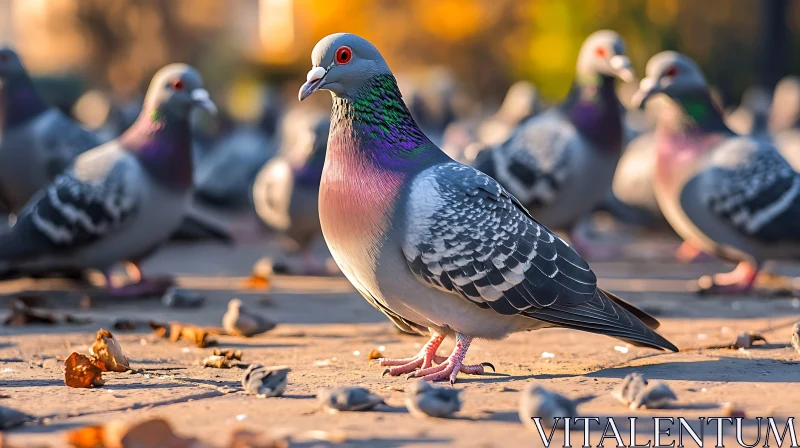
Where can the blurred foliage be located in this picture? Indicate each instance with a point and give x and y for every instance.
(488, 44)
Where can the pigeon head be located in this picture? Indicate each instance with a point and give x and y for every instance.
(341, 64)
(234, 304)
(672, 74)
(177, 89)
(603, 53)
(10, 63)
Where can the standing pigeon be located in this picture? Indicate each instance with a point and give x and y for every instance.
(240, 321)
(438, 246)
(122, 199)
(286, 190)
(560, 164)
(731, 196)
(37, 141)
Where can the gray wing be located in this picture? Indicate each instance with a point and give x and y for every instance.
(533, 163)
(77, 209)
(466, 235)
(60, 140)
(750, 186)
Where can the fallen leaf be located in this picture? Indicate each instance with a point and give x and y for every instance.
(747, 340)
(177, 331)
(81, 372)
(108, 351)
(263, 271)
(23, 314)
(228, 353)
(374, 354)
(255, 282)
(124, 325)
(218, 362)
(153, 433)
(242, 438)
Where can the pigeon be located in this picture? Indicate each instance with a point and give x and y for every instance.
(425, 400)
(731, 196)
(636, 392)
(267, 381)
(437, 246)
(37, 141)
(796, 337)
(520, 103)
(239, 321)
(631, 387)
(539, 402)
(632, 186)
(286, 189)
(752, 115)
(560, 164)
(346, 398)
(122, 199)
(785, 112)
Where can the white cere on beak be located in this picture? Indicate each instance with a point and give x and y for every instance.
(203, 99)
(315, 74)
(622, 67)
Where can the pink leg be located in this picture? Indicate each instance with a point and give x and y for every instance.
(453, 364)
(423, 359)
(689, 253)
(738, 281)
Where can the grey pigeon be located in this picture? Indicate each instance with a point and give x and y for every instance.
(10, 418)
(122, 199)
(346, 398)
(632, 186)
(785, 111)
(636, 392)
(286, 190)
(268, 381)
(631, 387)
(536, 401)
(425, 400)
(520, 103)
(239, 321)
(796, 337)
(728, 195)
(37, 141)
(560, 164)
(752, 115)
(438, 246)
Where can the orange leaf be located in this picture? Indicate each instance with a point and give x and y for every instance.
(81, 372)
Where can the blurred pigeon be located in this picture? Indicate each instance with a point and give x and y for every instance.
(788, 143)
(752, 115)
(225, 175)
(521, 103)
(636, 392)
(731, 196)
(269, 381)
(539, 402)
(347, 399)
(10, 418)
(286, 191)
(561, 163)
(631, 387)
(785, 112)
(424, 400)
(435, 245)
(632, 186)
(37, 142)
(796, 337)
(239, 321)
(122, 199)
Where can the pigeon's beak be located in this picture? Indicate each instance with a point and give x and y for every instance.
(621, 66)
(647, 88)
(314, 80)
(201, 98)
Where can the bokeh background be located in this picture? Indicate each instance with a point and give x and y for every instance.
(479, 46)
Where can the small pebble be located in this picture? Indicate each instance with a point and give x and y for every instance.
(426, 400)
(181, 298)
(347, 399)
(548, 355)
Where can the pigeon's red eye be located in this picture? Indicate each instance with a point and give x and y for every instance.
(600, 52)
(343, 55)
(672, 71)
(177, 85)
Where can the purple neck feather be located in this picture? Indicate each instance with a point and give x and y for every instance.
(19, 101)
(592, 106)
(163, 144)
(374, 125)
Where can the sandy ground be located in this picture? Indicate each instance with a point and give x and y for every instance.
(326, 331)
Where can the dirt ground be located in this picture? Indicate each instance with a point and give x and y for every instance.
(326, 330)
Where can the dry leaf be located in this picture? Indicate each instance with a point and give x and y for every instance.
(177, 331)
(124, 325)
(374, 354)
(86, 437)
(154, 433)
(219, 362)
(23, 314)
(228, 353)
(242, 438)
(747, 339)
(262, 273)
(80, 371)
(108, 351)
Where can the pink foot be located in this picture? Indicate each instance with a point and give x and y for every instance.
(689, 253)
(738, 281)
(423, 360)
(451, 366)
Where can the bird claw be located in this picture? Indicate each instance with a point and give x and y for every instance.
(489, 365)
(385, 372)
